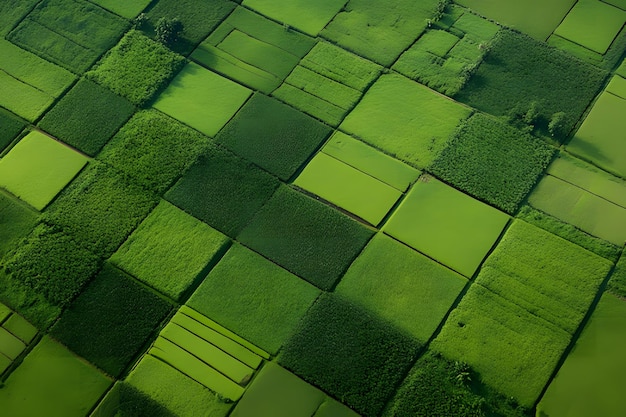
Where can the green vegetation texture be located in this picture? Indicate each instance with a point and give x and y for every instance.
(617, 283)
(10, 127)
(12, 11)
(16, 221)
(125, 8)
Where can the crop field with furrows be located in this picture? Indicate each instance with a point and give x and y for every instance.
(329, 208)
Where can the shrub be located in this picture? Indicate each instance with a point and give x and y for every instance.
(349, 354)
(110, 320)
(167, 31)
(137, 68)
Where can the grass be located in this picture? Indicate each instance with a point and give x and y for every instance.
(23, 99)
(523, 16)
(349, 353)
(493, 161)
(110, 320)
(401, 286)
(137, 68)
(87, 116)
(386, 118)
(588, 381)
(126, 401)
(348, 188)
(446, 225)
(20, 328)
(125, 8)
(100, 209)
(10, 127)
(273, 135)
(617, 283)
(599, 138)
(223, 190)
(299, 14)
(191, 98)
(305, 237)
(254, 297)
(38, 168)
(12, 11)
(581, 25)
(170, 251)
(617, 86)
(379, 33)
(506, 83)
(154, 150)
(16, 221)
(277, 392)
(52, 381)
(370, 161)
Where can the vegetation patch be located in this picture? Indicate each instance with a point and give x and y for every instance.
(306, 237)
(38, 168)
(87, 116)
(254, 297)
(273, 135)
(154, 150)
(402, 286)
(23, 99)
(16, 221)
(202, 99)
(110, 320)
(446, 225)
(125, 8)
(371, 359)
(100, 209)
(70, 33)
(493, 161)
(617, 283)
(12, 12)
(10, 127)
(223, 190)
(170, 251)
(405, 119)
(137, 68)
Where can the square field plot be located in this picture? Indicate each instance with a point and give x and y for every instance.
(170, 250)
(309, 17)
(254, 298)
(52, 381)
(402, 286)
(273, 135)
(600, 138)
(446, 225)
(405, 119)
(202, 99)
(306, 237)
(348, 188)
(38, 168)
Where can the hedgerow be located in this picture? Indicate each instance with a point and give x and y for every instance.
(154, 149)
(306, 237)
(110, 320)
(87, 116)
(223, 190)
(493, 161)
(10, 127)
(349, 354)
(273, 135)
(100, 209)
(137, 67)
(519, 71)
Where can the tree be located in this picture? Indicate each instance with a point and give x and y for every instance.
(167, 31)
(556, 127)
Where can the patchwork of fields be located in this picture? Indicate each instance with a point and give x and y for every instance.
(333, 208)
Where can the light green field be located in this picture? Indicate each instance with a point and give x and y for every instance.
(537, 18)
(621, 70)
(202, 99)
(52, 382)
(402, 286)
(405, 119)
(575, 49)
(370, 161)
(446, 225)
(348, 188)
(617, 3)
(592, 24)
(125, 8)
(309, 17)
(38, 168)
(581, 208)
(21, 98)
(600, 139)
(590, 382)
(617, 86)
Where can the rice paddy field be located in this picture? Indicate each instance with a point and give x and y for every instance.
(332, 208)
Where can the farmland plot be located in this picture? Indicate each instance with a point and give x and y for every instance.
(10, 127)
(125, 8)
(15, 335)
(12, 11)
(16, 221)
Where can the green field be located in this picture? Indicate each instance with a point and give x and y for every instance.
(12, 11)
(402, 286)
(388, 118)
(190, 98)
(170, 251)
(600, 137)
(348, 188)
(38, 168)
(16, 221)
(10, 127)
(446, 225)
(589, 382)
(125, 8)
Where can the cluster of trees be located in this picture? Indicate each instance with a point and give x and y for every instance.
(167, 31)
